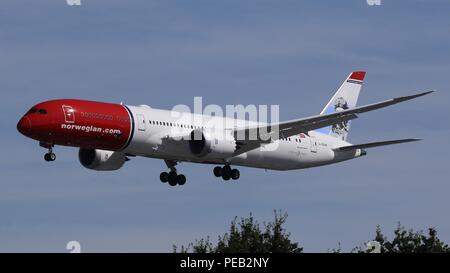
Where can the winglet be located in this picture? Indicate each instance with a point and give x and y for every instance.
(424, 93)
(414, 96)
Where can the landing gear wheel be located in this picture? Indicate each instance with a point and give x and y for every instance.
(218, 171)
(226, 172)
(164, 177)
(226, 169)
(181, 180)
(50, 157)
(235, 174)
(173, 177)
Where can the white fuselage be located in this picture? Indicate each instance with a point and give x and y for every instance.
(154, 130)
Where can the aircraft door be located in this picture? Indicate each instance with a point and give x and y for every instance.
(313, 144)
(141, 122)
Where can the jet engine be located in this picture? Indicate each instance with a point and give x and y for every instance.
(203, 144)
(101, 160)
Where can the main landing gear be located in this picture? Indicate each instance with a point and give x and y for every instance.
(226, 172)
(172, 177)
(50, 156)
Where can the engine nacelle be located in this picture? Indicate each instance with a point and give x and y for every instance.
(101, 160)
(203, 144)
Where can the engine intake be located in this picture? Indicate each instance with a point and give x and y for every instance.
(198, 143)
(101, 160)
(203, 144)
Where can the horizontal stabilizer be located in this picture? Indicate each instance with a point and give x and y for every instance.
(376, 144)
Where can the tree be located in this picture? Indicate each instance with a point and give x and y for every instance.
(246, 236)
(409, 241)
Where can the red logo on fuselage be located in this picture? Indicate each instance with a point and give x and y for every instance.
(69, 114)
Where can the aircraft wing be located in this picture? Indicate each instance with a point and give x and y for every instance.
(251, 138)
(376, 144)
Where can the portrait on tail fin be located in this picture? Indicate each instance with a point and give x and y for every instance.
(340, 130)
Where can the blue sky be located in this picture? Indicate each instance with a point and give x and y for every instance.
(163, 53)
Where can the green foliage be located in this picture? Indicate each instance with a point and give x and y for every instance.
(336, 250)
(246, 236)
(409, 241)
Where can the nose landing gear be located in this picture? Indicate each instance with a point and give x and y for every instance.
(50, 156)
(172, 177)
(226, 173)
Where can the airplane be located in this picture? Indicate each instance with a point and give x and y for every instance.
(109, 134)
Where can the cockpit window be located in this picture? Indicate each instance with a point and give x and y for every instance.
(39, 111)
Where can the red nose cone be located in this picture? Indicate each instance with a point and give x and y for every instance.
(24, 125)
